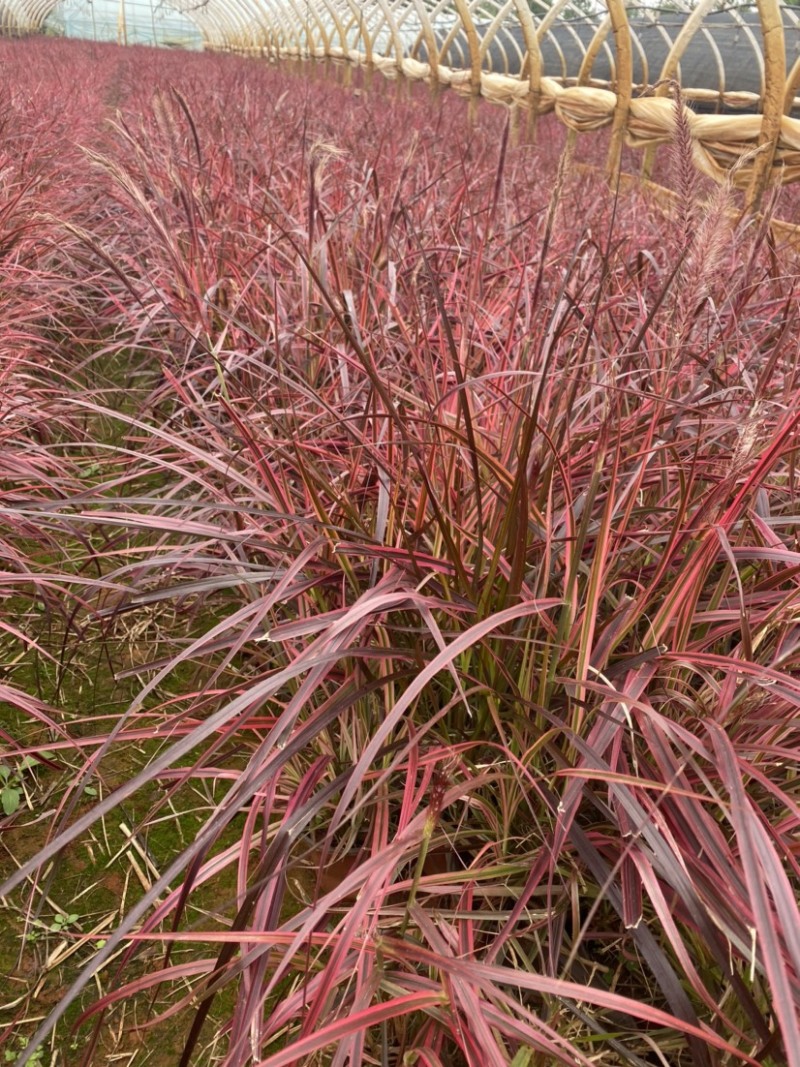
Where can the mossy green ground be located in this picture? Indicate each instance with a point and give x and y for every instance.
(100, 874)
(85, 671)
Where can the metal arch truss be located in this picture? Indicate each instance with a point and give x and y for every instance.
(20, 17)
(595, 63)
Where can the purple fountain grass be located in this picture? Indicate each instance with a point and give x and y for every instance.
(439, 550)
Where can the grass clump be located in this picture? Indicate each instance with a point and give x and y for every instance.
(415, 558)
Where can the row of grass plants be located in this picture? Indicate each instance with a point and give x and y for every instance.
(400, 583)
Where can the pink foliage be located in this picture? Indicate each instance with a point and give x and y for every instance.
(467, 490)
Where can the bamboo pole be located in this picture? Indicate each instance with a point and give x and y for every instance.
(474, 44)
(773, 95)
(623, 87)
